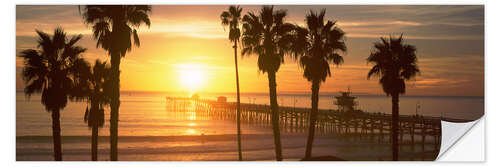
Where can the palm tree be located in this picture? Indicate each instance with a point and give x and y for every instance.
(394, 62)
(113, 27)
(93, 85)
(267, 36)
(316, 47)
(47, 70)
(232, 19)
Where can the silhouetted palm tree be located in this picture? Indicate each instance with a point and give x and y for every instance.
(93, 85)
(47, 70)
(316, 47)
(394, 62)
(113, 27)
(232, 19)
(267, 36)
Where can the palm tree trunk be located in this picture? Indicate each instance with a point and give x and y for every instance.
(115, 104)
(56, 135)
(95, 136)
(274, 114)
(395, 125)
(238, 111)
(313, 117)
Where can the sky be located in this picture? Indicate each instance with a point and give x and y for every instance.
(186, 48)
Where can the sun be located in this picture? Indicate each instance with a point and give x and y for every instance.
(191, 79)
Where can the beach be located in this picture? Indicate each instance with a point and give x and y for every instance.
(211, 148)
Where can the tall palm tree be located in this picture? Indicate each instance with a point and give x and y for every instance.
(113, 27)
(316, 47)
(93, 85)
(47, 70)
(394, 62)
(232, 18)
(267, 36)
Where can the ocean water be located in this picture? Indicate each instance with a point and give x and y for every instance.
(141, 114)
(148, 130)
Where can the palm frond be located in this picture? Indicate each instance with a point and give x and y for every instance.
(137, 42)
(49, 70)
(318, 45)
(394, 62)
(138, 17)
(102, 34)
(75, 39)
(225, 16)
(116, 19)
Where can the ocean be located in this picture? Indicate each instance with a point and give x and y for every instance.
(149, 131)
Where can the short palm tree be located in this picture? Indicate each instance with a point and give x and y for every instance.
(267, 36)
(47, 70)
(113, 27)
(316, 47)
(232, 18)
(93, 85)
(394, 62)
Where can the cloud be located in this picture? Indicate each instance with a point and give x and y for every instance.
(358, 24)
(370, 21)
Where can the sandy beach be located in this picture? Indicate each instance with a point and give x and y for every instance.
(257, 147)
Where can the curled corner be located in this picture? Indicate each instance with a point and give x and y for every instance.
(451, 132)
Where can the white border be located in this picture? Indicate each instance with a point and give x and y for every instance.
(7, 85)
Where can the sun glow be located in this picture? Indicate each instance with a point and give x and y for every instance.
(191, 77)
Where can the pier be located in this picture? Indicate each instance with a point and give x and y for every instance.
(416, 132)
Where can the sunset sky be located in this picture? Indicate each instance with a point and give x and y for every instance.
(190, 41)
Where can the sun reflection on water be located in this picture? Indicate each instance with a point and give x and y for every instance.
(191, 131)
(191, 116)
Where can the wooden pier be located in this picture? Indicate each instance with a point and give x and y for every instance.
(421, 132)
